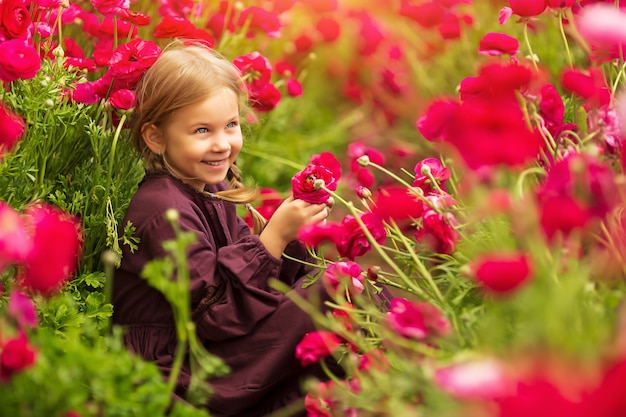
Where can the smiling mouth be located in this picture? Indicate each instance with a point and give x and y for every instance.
(214, 163)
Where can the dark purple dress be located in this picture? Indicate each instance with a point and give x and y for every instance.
(253, 328)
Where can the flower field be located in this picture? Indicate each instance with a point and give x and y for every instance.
(474, 153)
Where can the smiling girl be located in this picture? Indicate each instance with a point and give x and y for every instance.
(187, 130)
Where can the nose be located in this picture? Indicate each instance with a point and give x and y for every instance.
(220, 142)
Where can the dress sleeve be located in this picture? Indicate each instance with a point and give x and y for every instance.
(229, 290)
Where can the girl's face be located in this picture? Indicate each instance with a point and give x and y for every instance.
(203, 139)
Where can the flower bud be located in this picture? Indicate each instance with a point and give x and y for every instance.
(58, 52)
(110, 258)
(425, 169)
(48, 103)
(363, 160)
(172, 215)
(318, 184)
(363, 192)
(372, 273)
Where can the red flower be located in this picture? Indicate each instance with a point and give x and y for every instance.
(577, 189)
(172, 27)
(494, 43)
(18, 60)
(110, 7)
(14, 19)
(15, 240)
(589, 85)
(416, 320)
(502, 272)
(329, 28)
(352, 241)
(135, 18)
(270, 200)
(257, 19)
(256, 69)
(397, 203)
(363, 175)
(433, 123)
(57, 241)
(528, 8)
(491, 134)
(323, 167)
(427, 14)
(16, 356)
(265, 98)
(11, 129)
(316, 345)
(315, 234)
(294, 88)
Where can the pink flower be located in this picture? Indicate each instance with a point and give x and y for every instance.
(437, 171)
(502, 272)
(602, 26)
(259, 20)
(328, 161)
(14, 19)
(15, 240)
(397, 203)
(16, 355)
(433, 123)
(528, 8)
(57, 242)
(342, 275)
(12, 128)
(493, 44)
(475, 379)
(352, 241)
(123, 99)
(83, 93)
(329, 28)
(270, 200)
(316, 345)
(18, 60)
(363, 175)
(437, 232)
(110, 7)
(22, 309)
(416, 320)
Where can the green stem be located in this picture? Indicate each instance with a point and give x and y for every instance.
(116, 137)
(561, 16)
(530, 49)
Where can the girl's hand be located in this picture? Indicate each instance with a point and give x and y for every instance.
(287, 220)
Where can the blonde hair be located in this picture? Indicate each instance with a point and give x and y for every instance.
(185, 74)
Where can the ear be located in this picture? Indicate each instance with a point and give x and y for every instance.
(153, 138)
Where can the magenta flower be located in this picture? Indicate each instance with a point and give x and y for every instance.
(416, 320)
(437, 232)
(15, 240)
(397, 203)
(15, 356)
(502, 272)
(259, 20)
(131, 60)
(362, 174)
(344, 275)
(294, 88)
(57, 243)
(316, 346)
(475, 379)
(255, 68)
(22, 310)
(12, 128)
(494, 44)
(603, 27)
(123, 99)
(18, 60)
(352, 241)
(433, 123)
(329, 161)
(110, 7)
(15, 19)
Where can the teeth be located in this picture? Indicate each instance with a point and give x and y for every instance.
(214, 163)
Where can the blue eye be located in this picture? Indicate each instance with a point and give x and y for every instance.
(202, 130)
(231, 125)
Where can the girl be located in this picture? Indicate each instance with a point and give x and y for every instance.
(187, 130)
